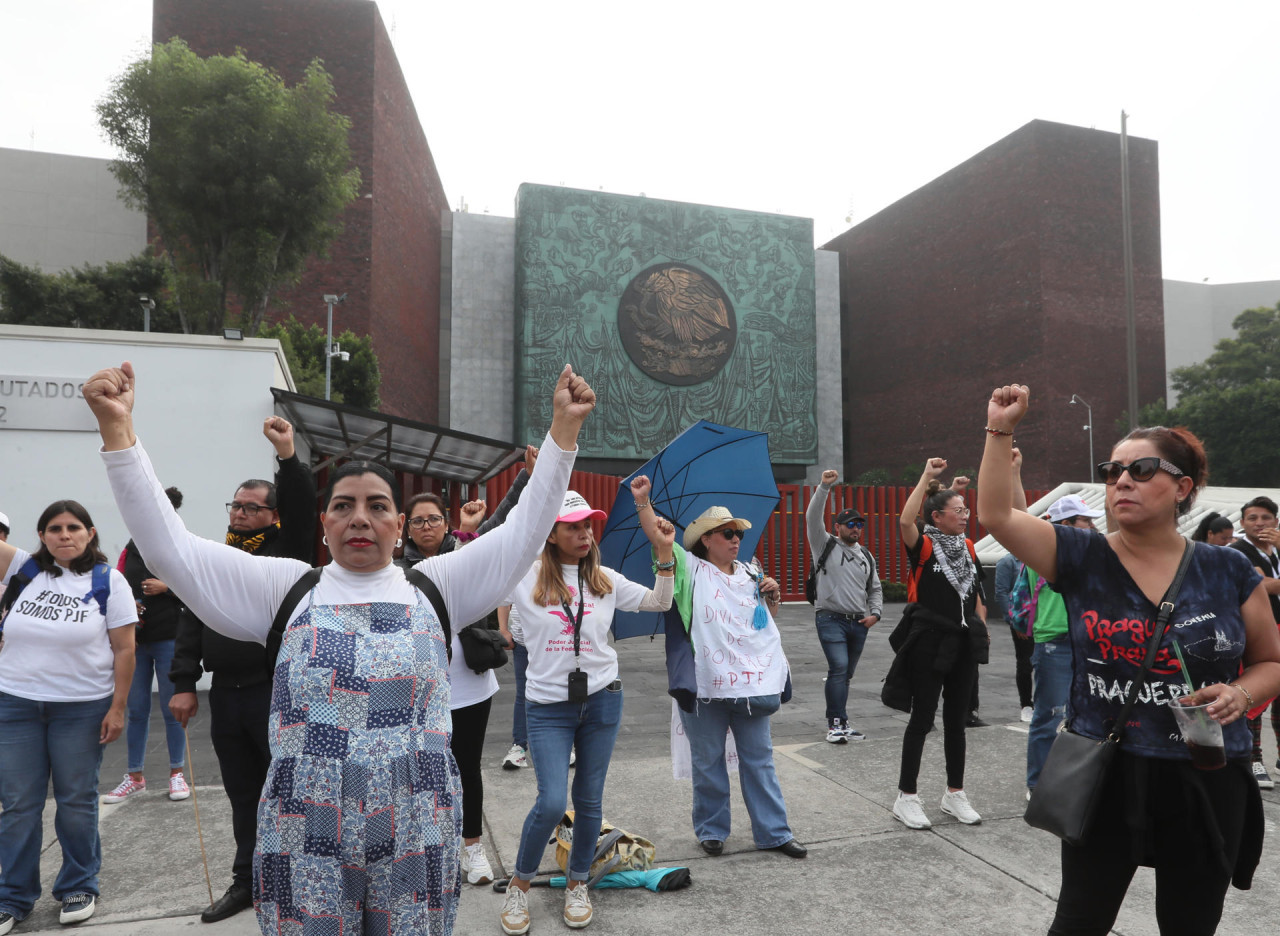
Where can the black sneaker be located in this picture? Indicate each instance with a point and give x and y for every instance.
(6, 922)
(973, 721)
(76, 908)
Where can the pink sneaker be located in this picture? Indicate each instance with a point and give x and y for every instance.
(178, 789)
(128, 786)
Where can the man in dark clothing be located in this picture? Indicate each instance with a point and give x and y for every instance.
(266, 519)
(1261, 544)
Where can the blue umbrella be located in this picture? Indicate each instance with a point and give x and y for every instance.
(707, 465)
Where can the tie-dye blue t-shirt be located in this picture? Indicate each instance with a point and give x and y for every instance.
(1111, 621)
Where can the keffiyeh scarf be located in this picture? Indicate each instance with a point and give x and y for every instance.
(953, 555)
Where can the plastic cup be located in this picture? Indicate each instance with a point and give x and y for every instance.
(1202, 734)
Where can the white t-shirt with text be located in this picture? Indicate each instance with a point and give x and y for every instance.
(56, 647)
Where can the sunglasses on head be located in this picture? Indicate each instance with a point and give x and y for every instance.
(1140, 469)
(734, 534)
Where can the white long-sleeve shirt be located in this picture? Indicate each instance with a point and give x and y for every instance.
(238, 594)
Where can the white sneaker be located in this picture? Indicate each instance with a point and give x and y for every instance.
(957, 804)
(835, 734)
(475, 864)
(1026, 713)
(853, 734)
(178, 789)
(6, 923)
(573, 760)
(577, 906)
(1264, 779)
(515, 912)
(516, 758)
(77, 907)
(908, 810)
(128, 787)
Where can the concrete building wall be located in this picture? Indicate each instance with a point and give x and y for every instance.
(58, 212)
(1006, 268)
(830, 389)
(200, 406)
(387, 258)
(1199, 315)
(481, 349)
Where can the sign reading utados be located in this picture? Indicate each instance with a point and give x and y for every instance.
(41, 402)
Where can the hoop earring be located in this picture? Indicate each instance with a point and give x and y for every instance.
(399, 541)
(325, 540)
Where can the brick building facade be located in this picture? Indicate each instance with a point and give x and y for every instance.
(1007, 268)
(387, 258)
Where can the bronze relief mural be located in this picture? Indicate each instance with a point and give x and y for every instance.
(677, 325)
(675, 312)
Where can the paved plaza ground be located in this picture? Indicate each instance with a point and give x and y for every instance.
(866, 873)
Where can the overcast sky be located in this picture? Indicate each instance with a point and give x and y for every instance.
(827, 110)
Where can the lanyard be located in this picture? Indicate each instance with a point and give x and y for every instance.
(577, 622)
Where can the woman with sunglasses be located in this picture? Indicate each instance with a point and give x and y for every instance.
(573, 697)
(1200, 829)
(727, 672)
(944, 640)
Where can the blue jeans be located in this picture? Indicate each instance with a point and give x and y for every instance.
(706, 728)
(153, 659)
(519, 726)
(39, 740)
(554, 729)
(843, 637)
(1050, 684)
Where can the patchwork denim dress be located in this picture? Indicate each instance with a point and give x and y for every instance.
(361, 817)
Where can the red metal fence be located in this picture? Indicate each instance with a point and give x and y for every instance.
(784, 549)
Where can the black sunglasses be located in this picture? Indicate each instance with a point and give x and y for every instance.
(1140, 469)
(732, 534)
(855, 524)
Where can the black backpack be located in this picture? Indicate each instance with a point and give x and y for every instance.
(811, 583)
(275, 636)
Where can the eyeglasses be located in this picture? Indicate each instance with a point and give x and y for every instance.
(249, 510)
(433, 521)
(855, 524)
(961, 512)
(1140, 469)
(731, 534)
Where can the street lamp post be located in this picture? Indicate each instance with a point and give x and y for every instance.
(330, 351)
(1072, 402)
(148, 306)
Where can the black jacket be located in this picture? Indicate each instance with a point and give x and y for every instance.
(924, 631)
(159, 619)
(243, 662)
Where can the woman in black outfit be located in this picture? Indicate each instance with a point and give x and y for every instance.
(944, 640)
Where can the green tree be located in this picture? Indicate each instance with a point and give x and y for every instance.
(354, 382)
(244, 177)
(103, 296)
(1232, 401)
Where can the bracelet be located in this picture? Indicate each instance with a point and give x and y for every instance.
(640, 507)
(1002, 432)
(1247, 694)
(665, 566)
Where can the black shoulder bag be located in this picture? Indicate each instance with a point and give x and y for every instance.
(1075, 773)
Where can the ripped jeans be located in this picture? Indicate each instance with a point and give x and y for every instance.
(1050, 684)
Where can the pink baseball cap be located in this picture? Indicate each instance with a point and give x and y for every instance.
(575, 508)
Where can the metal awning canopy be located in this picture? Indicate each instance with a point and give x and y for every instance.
(336, 431)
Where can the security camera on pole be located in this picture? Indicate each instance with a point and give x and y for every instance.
(332, 350)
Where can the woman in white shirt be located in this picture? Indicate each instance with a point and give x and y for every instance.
(359, 821)
(66, 665)
(742, 677)
(573, 697)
